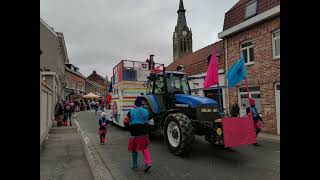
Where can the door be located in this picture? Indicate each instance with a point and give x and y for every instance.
(278, 106)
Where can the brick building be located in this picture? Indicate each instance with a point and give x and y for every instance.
(103, 82)
(253, 28)
(75, 81)
(93, 87)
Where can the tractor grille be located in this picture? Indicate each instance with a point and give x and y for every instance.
(207, 116)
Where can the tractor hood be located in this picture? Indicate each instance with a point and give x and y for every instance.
(194, 101)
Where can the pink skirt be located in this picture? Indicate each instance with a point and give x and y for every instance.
(103, 131)
(138, 143)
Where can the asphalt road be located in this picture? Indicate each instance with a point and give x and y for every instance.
(205, 161)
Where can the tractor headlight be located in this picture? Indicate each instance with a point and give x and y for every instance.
(205, 110)
(219, 131)
(209, 110)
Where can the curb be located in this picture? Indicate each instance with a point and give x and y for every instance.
(268, 137)
(98, 169)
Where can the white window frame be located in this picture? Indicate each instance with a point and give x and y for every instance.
(256, 8)
(274, 44)
(248, 53)
(250, 95)
(73, 85)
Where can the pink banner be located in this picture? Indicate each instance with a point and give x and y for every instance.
(212, 72)
(238, 131)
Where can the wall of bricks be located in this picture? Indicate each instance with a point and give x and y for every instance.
(236, 14)
(79, 81)
(98, 79)
(265, 71)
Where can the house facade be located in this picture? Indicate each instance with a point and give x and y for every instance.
(252, 27)
(75, 81)
(52, 58)
(103, 84)
(93, 87)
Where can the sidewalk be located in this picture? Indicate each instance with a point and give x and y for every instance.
(62, 156)
(269, 137)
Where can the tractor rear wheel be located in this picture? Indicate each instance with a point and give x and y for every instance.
(178, 134)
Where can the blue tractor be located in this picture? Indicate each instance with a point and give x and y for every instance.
(179, 114)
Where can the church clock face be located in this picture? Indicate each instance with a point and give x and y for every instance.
(184, 33)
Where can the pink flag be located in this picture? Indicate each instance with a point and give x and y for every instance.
(212, 73)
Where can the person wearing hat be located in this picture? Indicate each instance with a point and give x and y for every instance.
(180, 68)
(139, 138)
(103, 121)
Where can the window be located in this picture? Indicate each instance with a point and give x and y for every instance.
(177, 83)
(255, 94)
(159, 86)
(247, 51)
(73, 85)
(276, 44)
(251, 9)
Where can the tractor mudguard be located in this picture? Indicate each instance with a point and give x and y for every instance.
(153, 102)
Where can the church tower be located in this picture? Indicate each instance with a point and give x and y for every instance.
(182, 36)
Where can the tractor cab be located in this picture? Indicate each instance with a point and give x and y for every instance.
(166, 85)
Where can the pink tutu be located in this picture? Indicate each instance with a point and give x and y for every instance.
(103, 131)
(138, 143)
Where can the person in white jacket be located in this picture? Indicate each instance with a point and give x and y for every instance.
(243, 112)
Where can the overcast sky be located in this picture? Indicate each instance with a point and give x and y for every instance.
(99, 33)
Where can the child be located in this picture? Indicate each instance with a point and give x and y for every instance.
(103, 127)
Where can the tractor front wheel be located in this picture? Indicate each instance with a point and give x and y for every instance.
(178, 134)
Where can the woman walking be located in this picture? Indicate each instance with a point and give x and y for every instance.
(139, 138)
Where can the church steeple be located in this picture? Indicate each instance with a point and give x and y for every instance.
(181, 22)
(181, 7)
(182, 37)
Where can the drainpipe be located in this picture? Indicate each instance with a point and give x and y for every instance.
(225, 40)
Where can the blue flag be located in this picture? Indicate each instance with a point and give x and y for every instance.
(237, 72)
